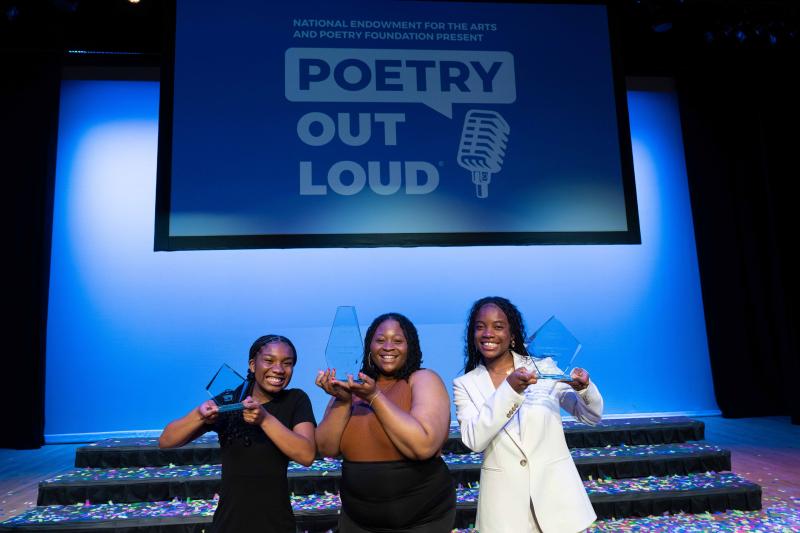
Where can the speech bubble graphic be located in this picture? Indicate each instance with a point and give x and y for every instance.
(435, 78)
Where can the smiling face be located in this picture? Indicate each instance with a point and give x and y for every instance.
(272, 367)
(389, 347)
(492, 333)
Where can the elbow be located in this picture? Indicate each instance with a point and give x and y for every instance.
(471, 443)
(596, 413)
(307, 458)
(592, 415)
(423, 453)
(164, 442)
(592, 419)
(327, 449)
(422, 449)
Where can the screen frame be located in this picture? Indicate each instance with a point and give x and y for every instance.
(164, 241)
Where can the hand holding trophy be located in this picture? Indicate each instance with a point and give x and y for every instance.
(227, 389)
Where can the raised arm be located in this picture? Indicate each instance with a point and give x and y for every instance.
(420, 433)
(337, 414)
(296, 443)
(190, 426)
(481, 423)
(581, 398)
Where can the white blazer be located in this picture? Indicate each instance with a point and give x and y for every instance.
(526, 466)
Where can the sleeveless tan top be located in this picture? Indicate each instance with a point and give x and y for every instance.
(364, 438)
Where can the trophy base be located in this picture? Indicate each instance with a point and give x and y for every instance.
(355, 380)
(555, 377)
(231, 407)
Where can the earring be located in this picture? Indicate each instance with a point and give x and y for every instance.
(369, 361)
(513, 343)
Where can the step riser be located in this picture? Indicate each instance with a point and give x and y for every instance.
(605, 472)
(162, 490)
(605, 506)
(615, 433)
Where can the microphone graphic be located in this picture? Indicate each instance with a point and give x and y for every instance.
(482, 147)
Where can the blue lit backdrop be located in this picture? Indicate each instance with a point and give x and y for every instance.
(134, 335)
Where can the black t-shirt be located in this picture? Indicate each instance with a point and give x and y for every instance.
(255, 493)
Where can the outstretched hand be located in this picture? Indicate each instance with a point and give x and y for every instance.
(580, 379)
(338, 389)
(367, 389)
(208, 411)
(520, 378)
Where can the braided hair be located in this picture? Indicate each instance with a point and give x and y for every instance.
(472, 357)
(413, 355)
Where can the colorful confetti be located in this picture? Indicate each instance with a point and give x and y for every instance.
(330, 464)
(708, 480)
(777, 515)
(329, 502)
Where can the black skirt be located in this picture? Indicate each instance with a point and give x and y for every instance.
(397, 496)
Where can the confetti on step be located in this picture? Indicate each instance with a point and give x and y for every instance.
(329, 465)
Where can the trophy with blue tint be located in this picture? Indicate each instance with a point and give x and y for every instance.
(345, 348)
(228, 389)
(554, 349)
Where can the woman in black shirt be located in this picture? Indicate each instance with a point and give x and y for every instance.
(275, 426)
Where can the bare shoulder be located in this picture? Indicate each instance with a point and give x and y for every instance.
(425, 382)
(428, 394)
(425, 376)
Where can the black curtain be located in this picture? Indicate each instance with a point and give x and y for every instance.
(740, 118)
(29, 92)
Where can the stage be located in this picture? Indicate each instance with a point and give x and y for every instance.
(658, 474)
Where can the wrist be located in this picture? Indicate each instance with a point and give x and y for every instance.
(374, 397)
(522, 386)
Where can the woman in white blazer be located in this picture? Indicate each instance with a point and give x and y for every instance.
(529, 481)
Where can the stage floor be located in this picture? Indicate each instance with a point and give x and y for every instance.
(764, 450)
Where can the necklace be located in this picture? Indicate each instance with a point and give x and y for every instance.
(503, 373)
(387, 389)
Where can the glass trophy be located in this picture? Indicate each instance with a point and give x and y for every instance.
(555, 342)
(345, 349)
(227, 388)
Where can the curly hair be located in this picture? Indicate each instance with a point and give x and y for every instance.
(472, 357)
(413, 355)
(263, 341)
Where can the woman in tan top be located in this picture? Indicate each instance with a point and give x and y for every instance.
(390, 428)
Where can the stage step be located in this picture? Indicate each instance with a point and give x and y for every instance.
(203, 481)
(615, 432)
(134, 452)
(695, 493)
